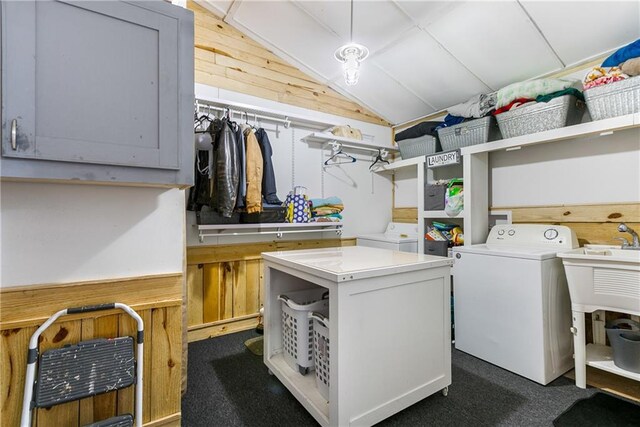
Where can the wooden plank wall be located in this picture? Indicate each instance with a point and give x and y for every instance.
(593, 224)
(225, 284)
(228, 59)
(157, 299)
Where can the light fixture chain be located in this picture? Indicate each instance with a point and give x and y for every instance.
(351, 33)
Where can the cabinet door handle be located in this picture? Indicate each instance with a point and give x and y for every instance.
(14, 131)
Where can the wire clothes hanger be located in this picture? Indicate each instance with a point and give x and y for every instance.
(379, 158)
(337, 151)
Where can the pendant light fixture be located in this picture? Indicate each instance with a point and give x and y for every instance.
(351, 55)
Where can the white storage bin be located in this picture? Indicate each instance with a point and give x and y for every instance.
(321, 352)
(297, 327)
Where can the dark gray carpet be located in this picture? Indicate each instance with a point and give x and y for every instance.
(229, 386)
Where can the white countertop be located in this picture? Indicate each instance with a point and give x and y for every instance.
(354, 262)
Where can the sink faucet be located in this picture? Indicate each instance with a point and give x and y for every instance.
(623, 228)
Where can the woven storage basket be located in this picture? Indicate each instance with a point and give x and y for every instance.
(416, 147)
(469, 133)
(562, 111)
(614, 99)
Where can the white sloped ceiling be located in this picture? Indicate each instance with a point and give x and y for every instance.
(429, 55)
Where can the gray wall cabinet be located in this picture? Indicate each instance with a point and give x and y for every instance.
(97, 91)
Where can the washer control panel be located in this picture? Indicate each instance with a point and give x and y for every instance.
(536, 235)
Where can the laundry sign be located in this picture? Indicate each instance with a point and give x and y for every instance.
(443, 159)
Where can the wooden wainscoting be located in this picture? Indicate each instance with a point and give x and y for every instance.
(593, 223)
(157, 299)
(225, 284)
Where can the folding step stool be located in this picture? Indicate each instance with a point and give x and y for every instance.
(85, 369)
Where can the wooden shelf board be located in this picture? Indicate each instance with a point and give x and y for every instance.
(598, 127)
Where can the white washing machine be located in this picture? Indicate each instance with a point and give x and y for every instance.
(397, 237)
(512, 305)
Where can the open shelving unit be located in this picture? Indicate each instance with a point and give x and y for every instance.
(422, 177)
(475, 170)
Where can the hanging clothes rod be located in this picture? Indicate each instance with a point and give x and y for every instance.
(253, 111)
(203, 107)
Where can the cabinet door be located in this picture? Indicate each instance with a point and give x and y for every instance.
(91, 82)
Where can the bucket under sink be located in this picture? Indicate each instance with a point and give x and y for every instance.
(603, 278)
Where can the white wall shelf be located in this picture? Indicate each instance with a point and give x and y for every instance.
(441, 215)
(476, 165)
(325, 138)
(401, 164)
(279, 229)
(582, 130)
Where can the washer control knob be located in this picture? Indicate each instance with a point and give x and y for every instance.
(500, 232)
(458, 256)
(550, 233)
(511, 232)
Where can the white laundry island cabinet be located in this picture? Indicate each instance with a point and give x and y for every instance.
(389, 334)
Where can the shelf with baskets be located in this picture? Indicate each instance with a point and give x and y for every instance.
(582, 130)
(476, 164)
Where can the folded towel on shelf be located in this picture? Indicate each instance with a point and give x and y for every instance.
(333, 200)
(530, 89)
(327, 210)
(632, 50)
(476, 107)
(631, 67)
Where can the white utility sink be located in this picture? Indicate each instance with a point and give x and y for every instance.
(603, 278)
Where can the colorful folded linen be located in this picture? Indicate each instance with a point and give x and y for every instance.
(599, 76)
(530, 90)
(516, 103)
(569, 91)
(333, 200)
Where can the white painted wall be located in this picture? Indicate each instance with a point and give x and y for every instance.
(59, 233)
(602, 169)
(366, 195)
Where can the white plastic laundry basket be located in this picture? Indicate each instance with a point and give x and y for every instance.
(297, 327)
(321, 352)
